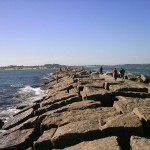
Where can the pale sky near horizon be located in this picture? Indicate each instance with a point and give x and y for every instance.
(74, 32)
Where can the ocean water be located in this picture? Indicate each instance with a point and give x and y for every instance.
(20, 87)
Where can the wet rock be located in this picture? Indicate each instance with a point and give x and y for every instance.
(139, 143)
(20, 118)
(108, 143)
(44, 141)
(20, 139)
(22, 106)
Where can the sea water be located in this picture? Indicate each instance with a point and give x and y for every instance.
(20, 87)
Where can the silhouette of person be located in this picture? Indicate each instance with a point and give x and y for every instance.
(122, 72)
(101, 70)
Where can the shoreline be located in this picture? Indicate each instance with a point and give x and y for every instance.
(83, 108)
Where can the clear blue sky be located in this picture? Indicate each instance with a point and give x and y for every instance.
(74, 32)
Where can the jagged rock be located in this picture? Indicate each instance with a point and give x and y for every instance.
(123, 126)
(139, 143)
(131, 94)
(132, 77)
(20, 139)
(20, 118)
(102, 95)
(57, 105)
(61, 96)
(145, 79)
(127, 104)
(124, 87)
(143, 113)
(108, 143)
(59, 119)
(34, 107)
(95, 75)
(21, 106)
(44, 141)
(75, 132)
(81, 105)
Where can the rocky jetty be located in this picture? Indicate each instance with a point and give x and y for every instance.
(83, 110)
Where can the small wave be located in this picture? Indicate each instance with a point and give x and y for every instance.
(16, 85)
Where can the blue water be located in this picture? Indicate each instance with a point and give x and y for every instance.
(20, 87)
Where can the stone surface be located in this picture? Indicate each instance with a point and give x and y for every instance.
(139, 143)
(127, 104)
(124, 126)
(20, 139)
(44, 141)
(108, 143)
(143, 112)
(59, 119)
(75, 132)
(81, 105)
(127, 87)
(102, 95)
(16, 120)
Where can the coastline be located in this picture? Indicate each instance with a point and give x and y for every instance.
(83, 108)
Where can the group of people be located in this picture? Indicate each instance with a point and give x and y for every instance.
(114, 72)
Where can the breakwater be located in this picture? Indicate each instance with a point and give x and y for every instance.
(84, 110)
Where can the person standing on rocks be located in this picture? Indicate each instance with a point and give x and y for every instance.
(115, 74)
(101, 70)
(122, 72)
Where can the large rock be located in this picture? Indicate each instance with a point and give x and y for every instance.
(61, 96)
(127, 104)
(108, 143)
(102, 95)
(44, 141)
(126, 88)
(56, 105)
(59, 119)
(76, 132)
(123, 126)
(20, 139)
(143, 112)
(139, 143)
(145, 79)
(20, 118)
(81, 105)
